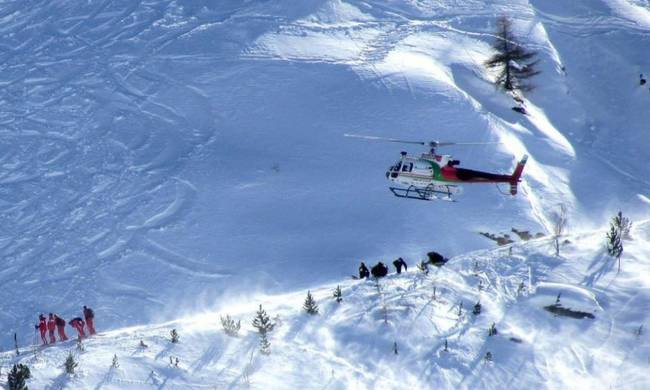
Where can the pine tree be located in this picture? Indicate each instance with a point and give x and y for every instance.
(514, 62)
(615, 244)
(115, 363)
(17, 377)
(174, 338)
(230, 326)
(623, 225)
(16, 344)
(70, 364)
(265, 346)
(338, 295)
(262, 321)
(310, 305)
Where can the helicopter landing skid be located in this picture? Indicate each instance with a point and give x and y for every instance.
(429, 192)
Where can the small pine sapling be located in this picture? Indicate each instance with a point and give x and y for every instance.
(623, 225)
(230, 326)
(337, 294)
(477, 309)
(115, 363)
(174, 337)
(493, 330)
(395, 348)
(265, 346)
(80, 344)
(17, 377)
(70, 364)
(310, 305)
(262, 322)
(16, 344)
(460, 309)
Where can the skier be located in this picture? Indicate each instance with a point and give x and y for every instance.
(399, 263)
(51, 325)
(60, 326)
(89, 315)
(42, 327)
(363, 271)
(379, 270)
(78, 324)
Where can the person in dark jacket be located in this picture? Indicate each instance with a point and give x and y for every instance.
(436, 259)
(60, 327)
(78, 324)
(363, 271)
(379, 270)
(89, 315)
(399, 263)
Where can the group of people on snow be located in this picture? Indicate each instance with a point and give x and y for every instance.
(48, 325)
(380, 269)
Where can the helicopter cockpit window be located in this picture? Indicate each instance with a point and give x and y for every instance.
(407, 167)
(398, 166)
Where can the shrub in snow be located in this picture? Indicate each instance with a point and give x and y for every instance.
(80, 344)
(488, 356)
(17, 377)
(230, 326)
(493, 330)
(310, 305)
(514, 63)
(337, 294)
(115, 363)
(173, 334)
(477, 309)
(424, 267)
(70, 364)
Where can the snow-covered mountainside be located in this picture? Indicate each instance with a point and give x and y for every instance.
(161, 159)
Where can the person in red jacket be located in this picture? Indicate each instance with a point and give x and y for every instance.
(42, 327)
(60, 327)
(89, 315)
(78, 324)
(50, 327)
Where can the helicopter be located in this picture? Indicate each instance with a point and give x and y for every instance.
(433, 176)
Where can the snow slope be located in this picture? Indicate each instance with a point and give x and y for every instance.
(351, 344)
(164, 158)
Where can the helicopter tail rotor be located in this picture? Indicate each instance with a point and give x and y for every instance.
(516, 175)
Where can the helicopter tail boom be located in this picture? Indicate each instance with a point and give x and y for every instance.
(516, 175)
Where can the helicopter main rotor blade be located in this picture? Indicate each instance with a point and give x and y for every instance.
(374, 138)
(433, 144)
